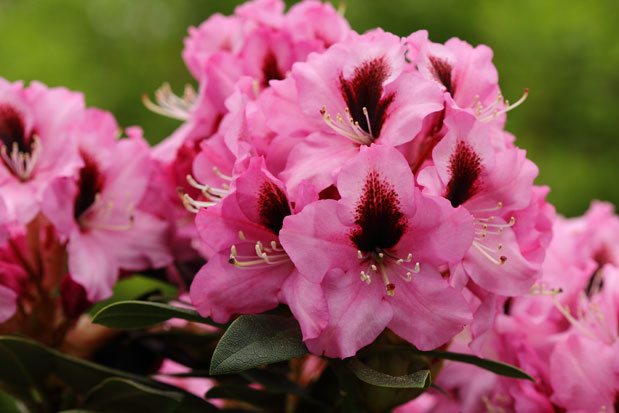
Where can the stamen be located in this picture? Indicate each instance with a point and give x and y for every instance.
(170, 105)
(22, 164)
(217, 172)
(481, 248)
(264, 260)
(498, 206)
(194, 206)
(492, 111)
(542, 289)
(355, 134)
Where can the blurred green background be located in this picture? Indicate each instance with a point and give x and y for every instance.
(565, 51)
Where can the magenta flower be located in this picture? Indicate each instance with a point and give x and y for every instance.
(250, 271)
(376, 254)
(353, 95)
(466, 73)
(98, 209)
(34, 123)
(473, 168)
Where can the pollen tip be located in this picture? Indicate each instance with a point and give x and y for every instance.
(503, 258)
(390, 289)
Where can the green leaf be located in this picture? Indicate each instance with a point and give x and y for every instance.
(116, 394)
(255, 340)
(36, 367)
(497, 367)
(418, 380)
(10, 405)
(140, 314)
(133, 287)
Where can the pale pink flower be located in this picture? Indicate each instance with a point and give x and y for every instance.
(98, 209)
(34, 144)
(376, 254)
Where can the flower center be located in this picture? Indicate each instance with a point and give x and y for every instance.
(90, 184)
(19, 152)
(270, 69)
(379, 223)
(273, 206)
(366, 107)
(383, 262)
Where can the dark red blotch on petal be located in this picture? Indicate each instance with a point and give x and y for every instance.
(270, 69)
(465, 168)
(441, 70)
(365, 89)
(89, 184)
(12, 129)
(273, 206)
(379, 222)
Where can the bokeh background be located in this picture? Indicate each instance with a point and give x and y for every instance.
(565, 51)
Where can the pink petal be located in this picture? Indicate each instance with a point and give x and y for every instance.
(427, 311)
(358, 313)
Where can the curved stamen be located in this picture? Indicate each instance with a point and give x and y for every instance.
(498, 107)
(483, 249)
(354, 132)
(261, 259)
(170, 105)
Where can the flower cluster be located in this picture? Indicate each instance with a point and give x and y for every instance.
(564, 333)
(71, 211)
(365, 180)
(360, 184)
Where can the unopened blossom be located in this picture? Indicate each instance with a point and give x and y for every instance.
(376, 254)
(34, 138)
(98, 208)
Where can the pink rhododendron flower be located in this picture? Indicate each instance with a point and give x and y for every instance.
(34, 139)
(98, 209)
(466, 73)
(250, 272)
(490, 183)
(376, 254)
(355, 94)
